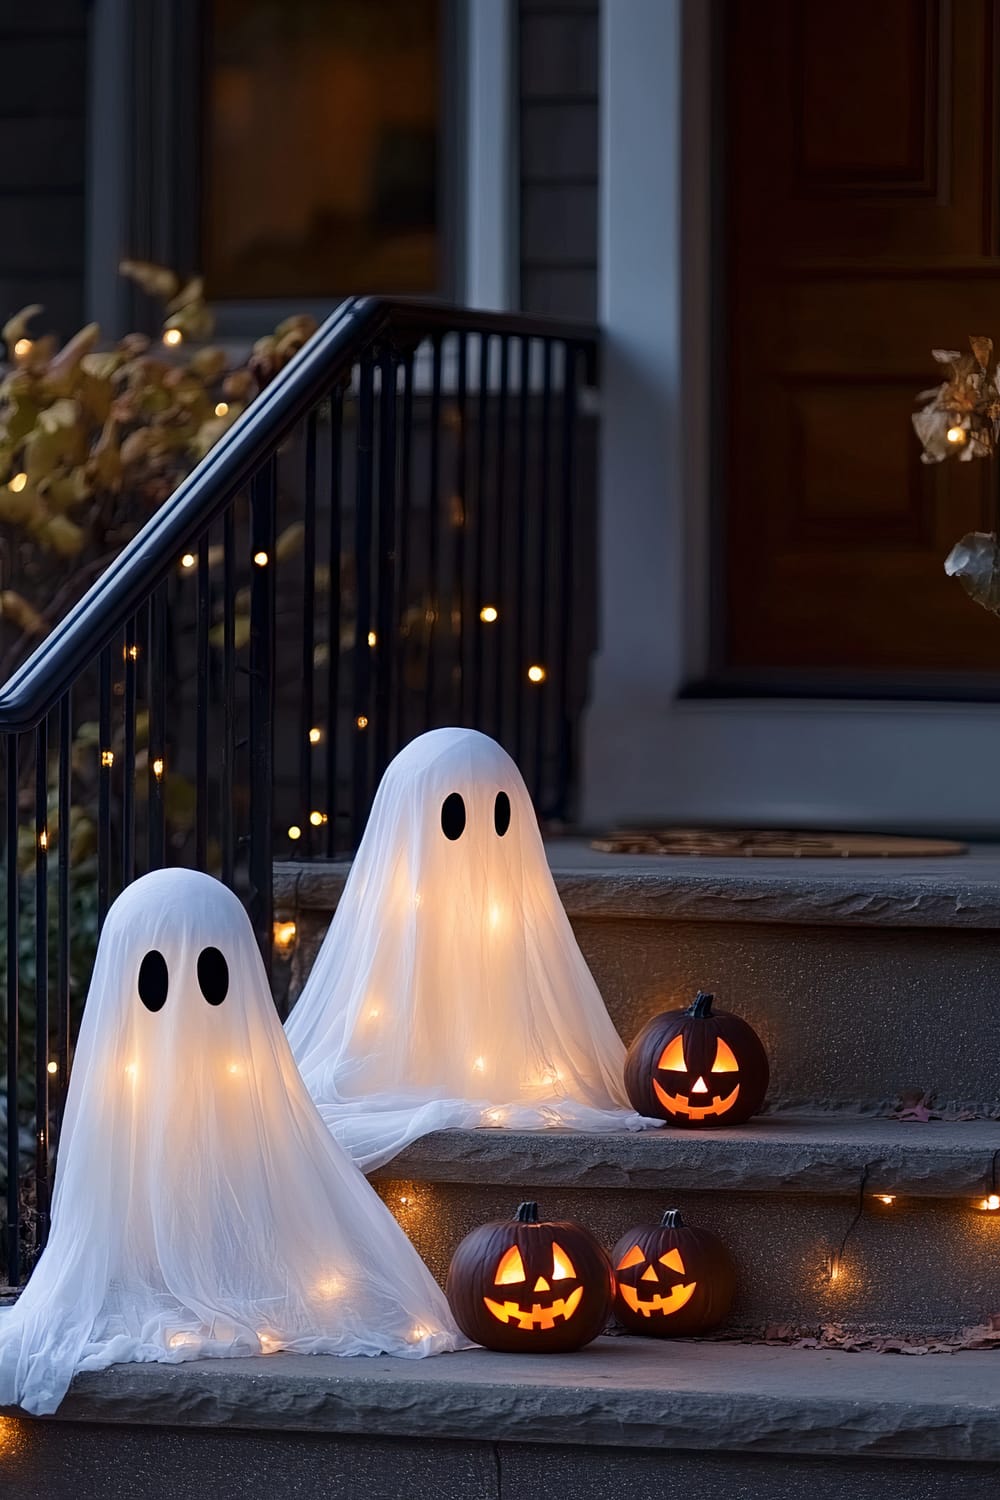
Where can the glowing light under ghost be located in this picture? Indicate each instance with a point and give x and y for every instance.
(449, 990)
(201, 1207)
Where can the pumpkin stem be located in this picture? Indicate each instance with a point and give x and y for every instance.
(672, 1219)
(527, 1213)
(701, 1006)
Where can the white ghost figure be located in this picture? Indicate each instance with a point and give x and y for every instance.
(449, 990)
(201, 1207)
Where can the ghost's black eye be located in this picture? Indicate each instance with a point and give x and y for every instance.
(153, 980)
(453, 816)
(501, 813)
(213, 975)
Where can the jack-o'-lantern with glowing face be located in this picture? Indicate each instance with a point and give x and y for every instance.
(529, 1287)
(697, 1067)
(672, 1280)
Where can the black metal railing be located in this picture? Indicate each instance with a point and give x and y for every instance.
(396, 534)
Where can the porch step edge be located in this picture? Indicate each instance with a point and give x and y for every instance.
(639, 1393)
(777, 1154)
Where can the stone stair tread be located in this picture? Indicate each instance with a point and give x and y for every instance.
(961, 891)
(635, 1392)
(780, 1153)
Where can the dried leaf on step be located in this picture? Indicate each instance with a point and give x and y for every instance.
(15, 607)
(158, 281)
(17, 327)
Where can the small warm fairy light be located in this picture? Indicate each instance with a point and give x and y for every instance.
(489, 614)
(284, 934)
(182, 1341)
(991, 1204)
(404, 1200)
(131, 653)
(374, 1013)
(329, 1287)
(418, 1333)
(188, 560)
(43, 839)
(260, 558)
(222, 409)
(22, 348)
(886, 1198)
(295, 832)
(372, 638)
(107, 758)
(158, 768)
(53, 1067)
(17, 483)
(362, 721)
(536, 673)
(131, 1070)
(172, 337)
(269, 1343)
(315, 735)
(496, 915)
(955, 435)
(317, 819)
(496, 1116)
(834, 1268)
(479, 1066)
(234, 1070)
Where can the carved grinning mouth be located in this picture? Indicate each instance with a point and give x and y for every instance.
(679, 1105)
(675, 1299)
(536, 1316)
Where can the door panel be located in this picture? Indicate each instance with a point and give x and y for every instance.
(862, 231)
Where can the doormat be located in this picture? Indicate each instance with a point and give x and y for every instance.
(758, 843)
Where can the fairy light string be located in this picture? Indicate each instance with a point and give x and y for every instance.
(836, 1259)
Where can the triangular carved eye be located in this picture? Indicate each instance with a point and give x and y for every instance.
(631, 1257)
(674, 1261)
(511, 1267)
(562, 1266)
(672, 1056)
(725, 1058)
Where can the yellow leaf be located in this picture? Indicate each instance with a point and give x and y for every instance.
(192, 291)
(158, 281)
(62, 535)
(66, 489)
(17, 327)
(15, 607)
(60, 376)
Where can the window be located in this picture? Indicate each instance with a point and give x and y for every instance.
(323, 149)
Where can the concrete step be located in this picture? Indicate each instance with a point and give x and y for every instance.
(864, 977)
(625, 1416)
(782, 1193)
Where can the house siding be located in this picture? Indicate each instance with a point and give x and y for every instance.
(43, 53)
(558, 112)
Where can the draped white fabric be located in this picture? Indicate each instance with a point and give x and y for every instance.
(200, 1207)
(449, 990)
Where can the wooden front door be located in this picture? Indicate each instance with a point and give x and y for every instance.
(862, 230)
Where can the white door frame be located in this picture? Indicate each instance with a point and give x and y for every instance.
(647, 752)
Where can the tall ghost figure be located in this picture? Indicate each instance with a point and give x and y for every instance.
(449, 990)
(201, 1207)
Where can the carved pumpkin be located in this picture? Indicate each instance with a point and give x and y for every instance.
(697, 1067)
(672, 1280)
(523, 1286)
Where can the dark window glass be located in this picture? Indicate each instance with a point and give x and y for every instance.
(322, 148)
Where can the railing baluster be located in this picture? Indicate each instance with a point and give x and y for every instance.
(361, 759)
(204, 619)
(262, 518)
(385, 644)
(333, 655)
(308, 665)
(517, 593)
(403, 546)
(479, 530)
(565, 617)
(63, 1019)
(105, 771)
(42, 983)
(460, 591)
(128, 756)
(228, 694)
(500, 517)
(544, 521)
(13, 1036)
(433, 528)
(156, 679)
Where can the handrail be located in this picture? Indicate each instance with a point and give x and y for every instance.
(37, 686)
